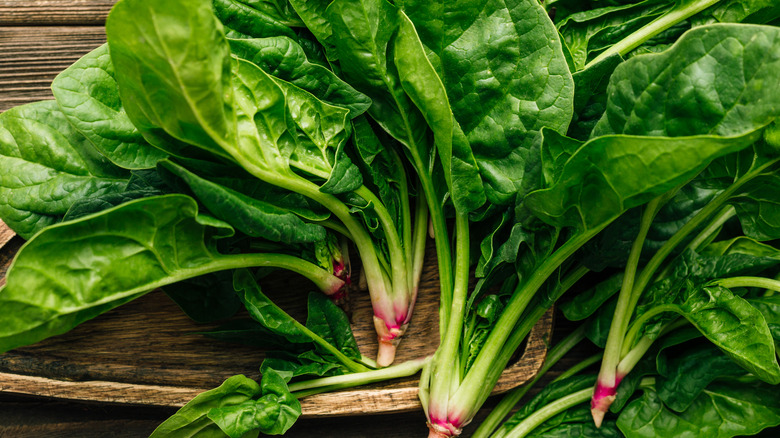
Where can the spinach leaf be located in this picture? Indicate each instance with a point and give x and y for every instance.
(254, 217)
(688, 369)
(734, 326)
(673, 93)
(723, 409)
(273, 413)
(207, 298)
(175, 80)
(47, 167)
(74, 271)
(257, 18)
(192, 419)
(505, 75)
(587, 302)
(88, 95)
(285, 59)
(331, 323)
(596, 185)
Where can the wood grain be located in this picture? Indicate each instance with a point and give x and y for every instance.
(30, 58)
(54, 12)
(146, 353)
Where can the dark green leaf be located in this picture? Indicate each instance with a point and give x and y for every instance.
(207, 298)
(331, 323)
(673, 93)
(722, 410)
(251, 216)
(285, 59)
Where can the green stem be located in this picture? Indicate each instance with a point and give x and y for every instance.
(398, 260)
(323, 384)
(469, 394)
(704, 214)
(660, 24)
(526, 323)
(502, 409)
(638, 323)
(445, 374)
(721, 218)
(623, 311)
(759, 282)
(635, 354)
(325, 281)
(335, 226)
(545, 413)
(419, 238)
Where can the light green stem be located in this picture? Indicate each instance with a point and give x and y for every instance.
(548, 411)
(398, 261)
(502, 409)
(445, 374)
(759, 282)
(316, 386)
(469, 395)
(623, 311)
(660, 24)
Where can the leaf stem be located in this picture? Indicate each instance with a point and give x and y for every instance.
(445, 375)
(660, 24)
(466, 399)
(316, 386)
(548, 411)
(502, 409)
(759, 282)
(623, 310)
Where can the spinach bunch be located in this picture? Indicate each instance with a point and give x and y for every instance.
(628, 149)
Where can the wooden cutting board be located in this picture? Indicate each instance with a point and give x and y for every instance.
(148, 352)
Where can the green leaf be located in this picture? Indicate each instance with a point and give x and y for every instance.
(88, 95)
(314, 14)
(330, 322)
(506, 77)
(47, 167)
(272, 414)
(608, 175)
(724, 409)
(191, 420)
(686, 373)
(72, 272)
(254, 217)
(587, 302)
(264, 311)
(207, 298)
(257, 18)
(673, 93)
(291, 366)
(734, 326)
(174, 79)
(285, 59)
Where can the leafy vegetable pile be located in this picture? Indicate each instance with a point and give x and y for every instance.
(624, 151)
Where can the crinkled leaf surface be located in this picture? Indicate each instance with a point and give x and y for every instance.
(722, 410)
(285, 59)
(273, 413)
(254, 217)
(47, 167)
(88, 94)
(716, 80)
(191, 420)
(505, 75)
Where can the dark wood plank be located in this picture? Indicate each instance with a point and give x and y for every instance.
(30, 58)
(54, 12)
